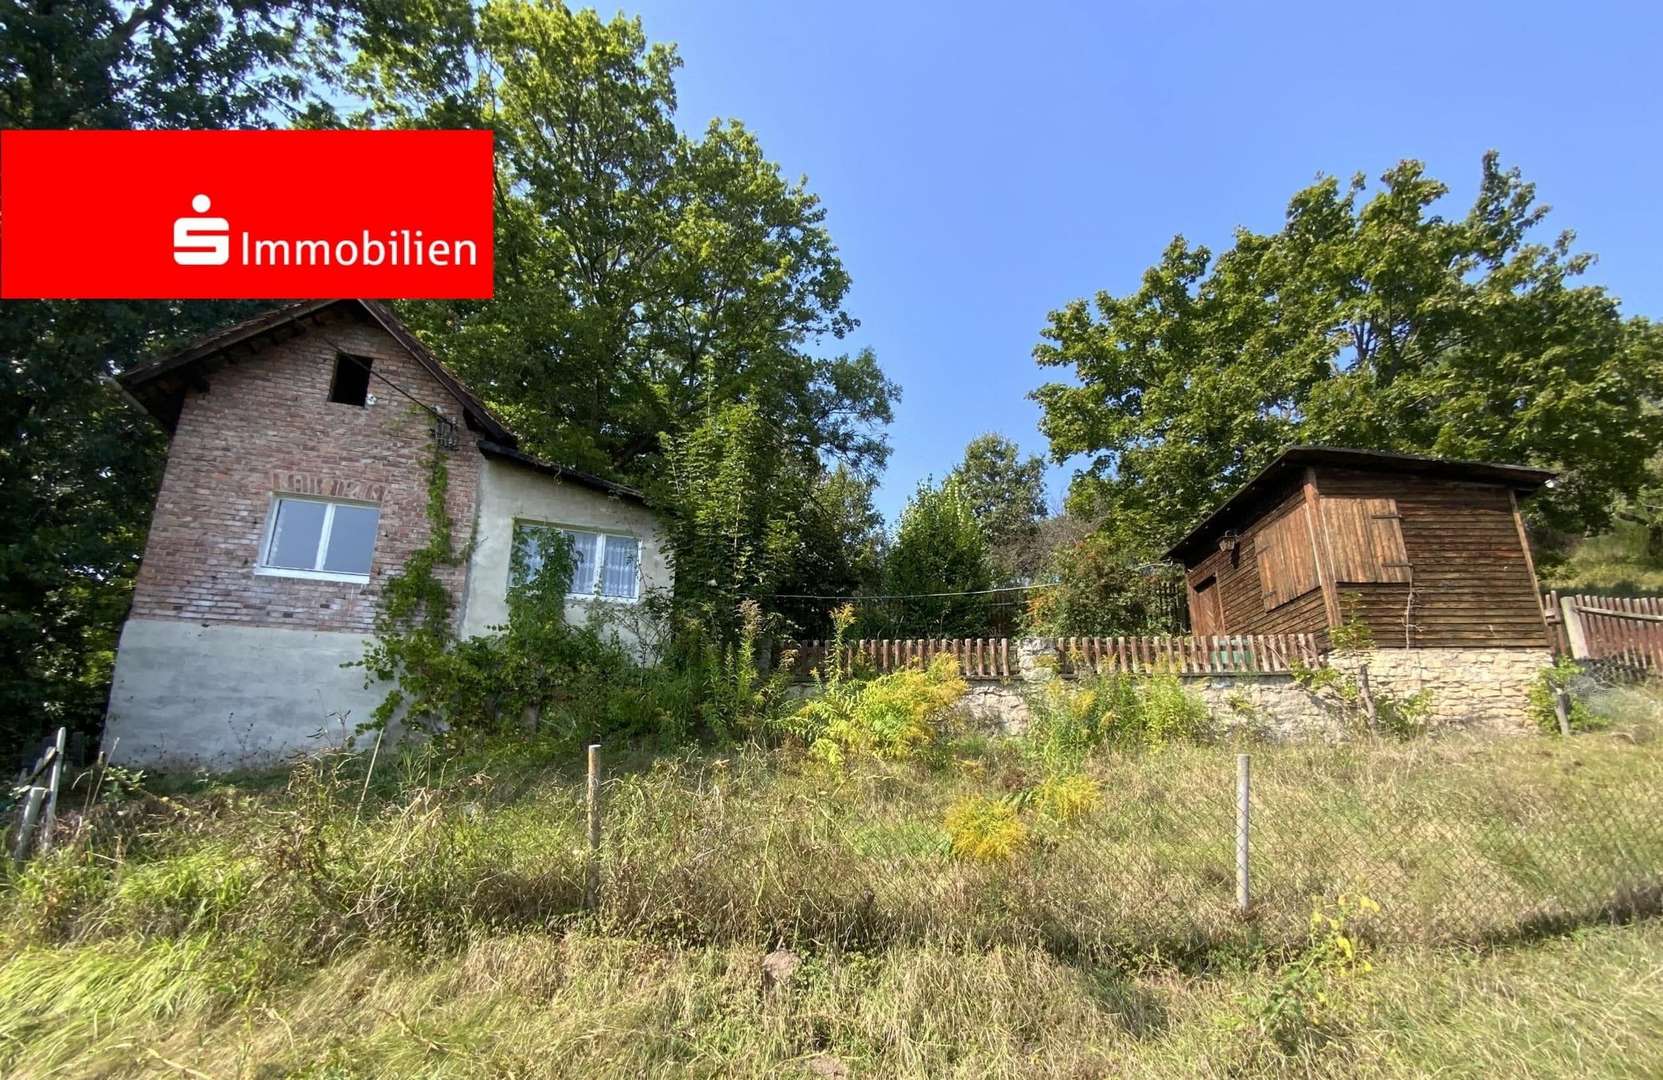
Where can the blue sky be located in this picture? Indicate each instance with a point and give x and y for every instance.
(983, 164)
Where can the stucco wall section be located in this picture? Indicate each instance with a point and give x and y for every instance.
(211, 695)
(510, 493)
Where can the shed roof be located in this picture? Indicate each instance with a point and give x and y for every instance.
(1521, 478)
(160, 384)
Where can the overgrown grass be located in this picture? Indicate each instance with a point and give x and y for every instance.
(429, 931)
(578, 1004)
(1612, 562)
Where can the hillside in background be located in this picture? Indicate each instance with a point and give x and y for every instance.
(1613, 562)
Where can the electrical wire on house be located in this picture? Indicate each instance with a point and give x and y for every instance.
(443, 422)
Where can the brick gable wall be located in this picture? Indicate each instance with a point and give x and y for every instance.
(266, 426)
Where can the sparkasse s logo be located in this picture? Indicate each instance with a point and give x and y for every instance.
(201, 241)
(271, 214)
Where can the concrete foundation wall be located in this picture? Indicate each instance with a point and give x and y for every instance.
(510, 493)
(1474, 689)
(188, 695)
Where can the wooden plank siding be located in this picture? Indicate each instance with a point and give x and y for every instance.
(1445, 558)
(1471, 577)
(1240, 590)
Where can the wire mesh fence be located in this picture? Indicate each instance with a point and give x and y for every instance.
(1454, 845)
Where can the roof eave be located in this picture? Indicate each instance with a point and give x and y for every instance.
(549, 468)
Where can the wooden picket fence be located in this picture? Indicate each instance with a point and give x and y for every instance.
(996, 658)
(1208, 654)
(1621, 631)
(979, 658)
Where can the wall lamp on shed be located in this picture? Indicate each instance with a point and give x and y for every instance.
(1229, 541)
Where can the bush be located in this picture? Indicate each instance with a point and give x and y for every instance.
(894, 717)
(985, 829)
(1119, 710)
(1544, 692)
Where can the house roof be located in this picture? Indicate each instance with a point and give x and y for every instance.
(1270, 479)
(159, 386)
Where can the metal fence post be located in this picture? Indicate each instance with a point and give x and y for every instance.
(592, 868)
(1243, 791)
(49, 819)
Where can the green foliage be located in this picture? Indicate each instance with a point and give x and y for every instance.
(1007, 498)
(658, 294)
(1302, 1008)
(740, 701)
(1553, 680)
(939, 548)
(1102, 586)
(984, 829)
(1067, 796)
(1619, 562)
(79, 466)
(1345, 690)
(1071, 718)
(1353, 635)
(895, 717)
(1376, 324)
(1342, 690)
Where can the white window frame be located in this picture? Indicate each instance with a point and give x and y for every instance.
(262, 568)
(594, 593)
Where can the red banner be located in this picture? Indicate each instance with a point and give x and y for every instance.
(245, 214)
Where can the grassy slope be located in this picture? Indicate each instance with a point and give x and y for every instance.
(1614, 562)
(264, 930)
(1589, 1004)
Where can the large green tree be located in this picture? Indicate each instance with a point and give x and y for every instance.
(644, 277)
(936, 567)
(660, 298)
(78, 465)
(1368, 320)
(1007, 496)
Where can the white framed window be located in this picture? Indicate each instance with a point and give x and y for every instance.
(319, 539)
(604, 565)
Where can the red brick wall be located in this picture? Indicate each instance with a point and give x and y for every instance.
(266, 425)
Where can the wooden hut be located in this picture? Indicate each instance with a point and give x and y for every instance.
(1428, 552)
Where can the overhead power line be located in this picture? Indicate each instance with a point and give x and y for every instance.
(903, 596)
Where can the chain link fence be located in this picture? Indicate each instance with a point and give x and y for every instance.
(1462, 843)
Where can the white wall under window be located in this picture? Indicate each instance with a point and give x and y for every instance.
(318, 538)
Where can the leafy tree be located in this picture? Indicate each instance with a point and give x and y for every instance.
(1379, 324)
(659, 297)
(644, 277)
(939, 548)
(1007, 497)
(1098, 585)
(79, 466)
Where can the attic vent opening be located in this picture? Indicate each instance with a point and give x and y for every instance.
(351, 384)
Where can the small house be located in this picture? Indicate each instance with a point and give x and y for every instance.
(1428, 553)
(299, 473)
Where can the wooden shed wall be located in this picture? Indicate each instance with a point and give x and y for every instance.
(1242, 592)
(1472, 582)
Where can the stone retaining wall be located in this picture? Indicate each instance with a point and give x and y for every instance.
(1473, 689)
